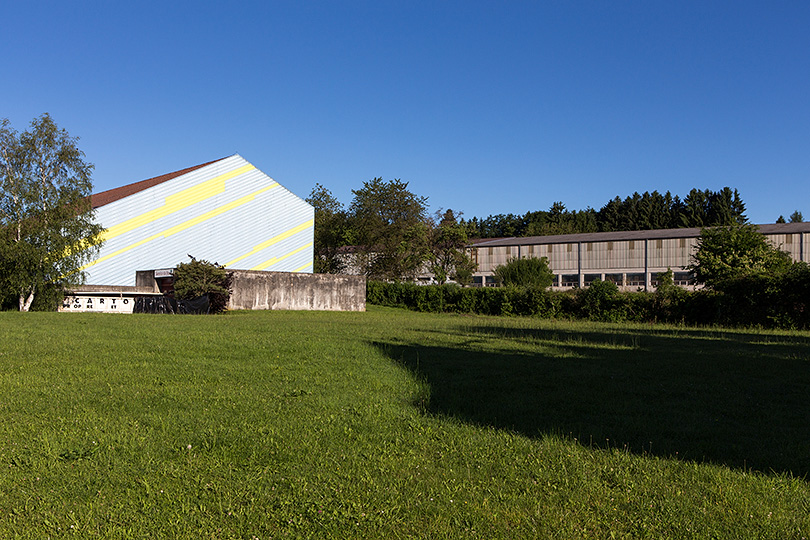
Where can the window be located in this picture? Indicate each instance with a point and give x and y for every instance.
(610, 246)
(569, 280)
(683, 242)
(635, 280)
(568, 247)
(549, 248)
(590, 246)
(632, 244)
(682, 278)
(788, 238)
(531, 250)
(659, 244)
(590, 278)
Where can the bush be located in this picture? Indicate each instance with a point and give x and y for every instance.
(668, 299)
(779, 301)
(202, 278)
(599, 302)
(460, 299)
(795, 297)
(528, 272)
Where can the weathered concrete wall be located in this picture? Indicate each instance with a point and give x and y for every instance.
(146, 279)
(113, 289)
(297, 291)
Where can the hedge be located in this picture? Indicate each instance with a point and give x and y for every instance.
(781, 301)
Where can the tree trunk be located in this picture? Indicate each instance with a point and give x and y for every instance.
(25, 303)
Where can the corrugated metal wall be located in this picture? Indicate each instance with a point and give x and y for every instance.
(227, 212)
(792, 243)
(625, 258)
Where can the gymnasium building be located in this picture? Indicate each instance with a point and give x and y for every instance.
(225, 211)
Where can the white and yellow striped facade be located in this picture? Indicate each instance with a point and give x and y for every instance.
(227, 211)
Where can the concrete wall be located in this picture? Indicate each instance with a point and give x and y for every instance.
(297, 291)
(145, 279)
(114, 289)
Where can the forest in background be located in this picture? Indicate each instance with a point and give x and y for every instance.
(637, 212)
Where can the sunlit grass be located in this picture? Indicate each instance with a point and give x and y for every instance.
(397, 424)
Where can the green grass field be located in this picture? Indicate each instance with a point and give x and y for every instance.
(393, 424)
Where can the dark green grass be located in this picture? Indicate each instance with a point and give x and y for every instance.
(397, 424)
(736, 399)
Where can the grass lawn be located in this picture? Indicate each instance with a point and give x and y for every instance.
(394, 424)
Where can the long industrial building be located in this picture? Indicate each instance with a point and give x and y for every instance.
(632, 259)
(225, 211)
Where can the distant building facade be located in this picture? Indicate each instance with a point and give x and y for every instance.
(631, 259)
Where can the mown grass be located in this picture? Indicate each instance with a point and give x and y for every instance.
(400, 425)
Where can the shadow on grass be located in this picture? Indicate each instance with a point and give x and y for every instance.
(737, 399)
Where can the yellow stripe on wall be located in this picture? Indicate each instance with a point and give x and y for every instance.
(302, 268)
(275, 239)
(274, 260)
(185, 225)
(176, 202)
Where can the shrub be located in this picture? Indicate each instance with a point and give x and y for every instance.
(795, 297)
(668, 299)
(202, 278)
(778, 301)
(598, 302)
(460, 299)
(528, 272)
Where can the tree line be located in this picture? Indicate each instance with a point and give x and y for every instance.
(386, 232)
(637, 212)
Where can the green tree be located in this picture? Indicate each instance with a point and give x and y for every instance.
(668, 296)
(726, 208)
(598, 301)
(725, 253)
(47, 230)
(713, 209)
(202, 278)
(392, 230)
(332, 231)
(527, 272)
(796, 217)
(448, 254)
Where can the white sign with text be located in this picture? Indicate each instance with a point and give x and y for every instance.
(102, 304)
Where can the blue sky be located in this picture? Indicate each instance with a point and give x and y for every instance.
(484, 107)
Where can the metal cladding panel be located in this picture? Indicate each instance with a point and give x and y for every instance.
(790, 243)
(564, 257)
(227, 212)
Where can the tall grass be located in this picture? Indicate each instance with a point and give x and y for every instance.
(400, 425)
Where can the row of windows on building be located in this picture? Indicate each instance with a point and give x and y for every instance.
(533, 249)
(635, 279)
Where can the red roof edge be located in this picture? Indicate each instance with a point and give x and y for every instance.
(115, 194)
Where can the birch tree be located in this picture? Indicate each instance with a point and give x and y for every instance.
(47, 231)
